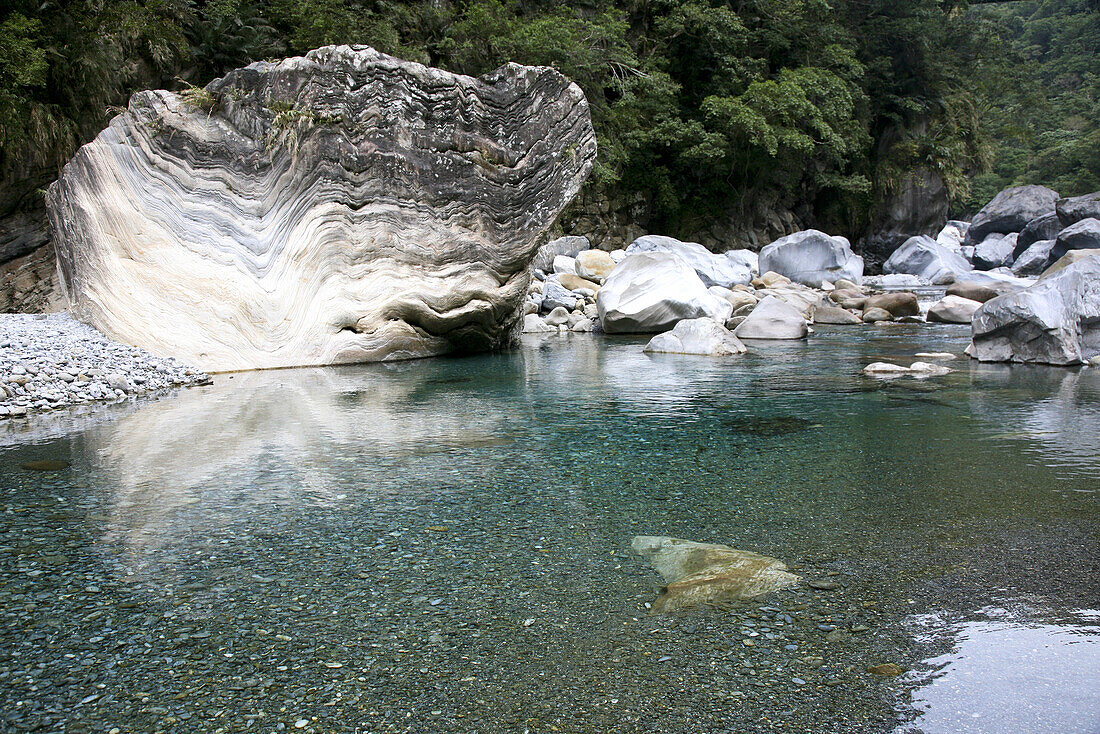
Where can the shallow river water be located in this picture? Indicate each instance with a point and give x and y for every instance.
(444, 546)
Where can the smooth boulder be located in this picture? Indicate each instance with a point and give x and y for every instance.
(1055, 321)
(1033, 260)
(835, 315)
(926, 258)
(773, 318)
(712, 269)
(697, 336)
(650, 292)
(995, 251)
(811, 257)
(972, 291)
(898, 304)
(953, 234)
(705, 574)
(1075, 208)
(1011, 210)
(1082, 235)
(953, 310)
(594, 265)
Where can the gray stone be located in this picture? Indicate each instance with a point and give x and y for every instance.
(1074, 209)
(924, 257)
(874, 315)
(953, 310)
(555, 295)
(1082, 235)
(995, 251)
(773, 318)
(568, 246)
(557, 317)
(1011, 210)
(834, 315)
(532, 324)
(651, 291)
(811, 257)
(345, 206)
(564, 265)
(1033, 260)
(697, 336)
(1045, 227)
(1056, 321)
(953, 234)
(712, 269)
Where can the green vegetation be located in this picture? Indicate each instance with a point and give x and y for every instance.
(702, 106)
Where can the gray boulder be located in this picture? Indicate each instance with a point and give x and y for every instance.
(568, 246)
(650, 292)
(810, 257)
(972, 291)
(1045, 227)
(773, 318)
(953, 234)
(697, 336)
(1083, 235)
(713, 269)
(1011, 210)
(1074, 209)
(926, 258)
(953, 310)
(1033, 260)
(1001, 279)
(1056, 321)
(555, 295)
(995, 251)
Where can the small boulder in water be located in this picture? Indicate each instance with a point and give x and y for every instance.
(700, 574)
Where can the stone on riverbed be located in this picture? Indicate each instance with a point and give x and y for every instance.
(594, 265)
(810, 257)
(924, 257)
(773, 318)
(651, 291)
(917, 369)
(697, 336)
(712, 269)
(953, 310)
(1055, 321)
(344, 206)
(897, 304)
(835, 315)
(706, 574)
(972, 291)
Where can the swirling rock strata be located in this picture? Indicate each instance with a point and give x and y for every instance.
(344, 206)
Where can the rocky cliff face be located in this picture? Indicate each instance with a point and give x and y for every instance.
(339, 207)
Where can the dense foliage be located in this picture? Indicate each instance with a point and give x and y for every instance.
(1044, 114)
(700, 105)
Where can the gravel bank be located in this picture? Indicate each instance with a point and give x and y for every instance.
(50, 362)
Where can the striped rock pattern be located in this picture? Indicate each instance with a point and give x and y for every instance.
(344, 206)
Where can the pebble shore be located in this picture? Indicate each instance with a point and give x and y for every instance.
(53, 361)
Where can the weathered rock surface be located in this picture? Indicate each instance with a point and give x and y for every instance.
(594, 265)
(953, 310)
(699, 574)
(1056, 321)
(343, 206)
(773, 318)
(649, 292)
(1083, 235)
(897, 304)
(1033, 260)
(953, 234)
(810, 257)
(1045, 227)
(1075, 208)
(568, 246)
(1011, 210)
(995, 251)
(1068, 259)
(835, 315)
(972, 291)
(712, 269)
(926, 258)
(697, 336)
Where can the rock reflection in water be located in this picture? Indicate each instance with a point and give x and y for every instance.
(1008, 675)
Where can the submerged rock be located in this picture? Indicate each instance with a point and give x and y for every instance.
(1056, 321)
(344, 206)
(701, 574)
(917, 369)
(650, 291)
(810, 257)
(697, 336)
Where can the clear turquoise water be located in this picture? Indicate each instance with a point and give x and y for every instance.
(444, 545)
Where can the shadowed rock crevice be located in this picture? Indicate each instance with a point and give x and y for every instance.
(343, 206)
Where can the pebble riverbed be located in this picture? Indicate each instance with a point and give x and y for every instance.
(54, 361)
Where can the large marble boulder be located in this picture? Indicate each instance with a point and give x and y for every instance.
(1033, 260)
(926, 258)
(953, 310)
(1011, 210)
(810, 257)
(1045, 227)
(1082, 235)
(649, 292)
(1055, 321)
(344, 206)
(773, 318)
(704, 574)
(697, 336)
(1075, 208)
(995, 251)
(713, 269)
